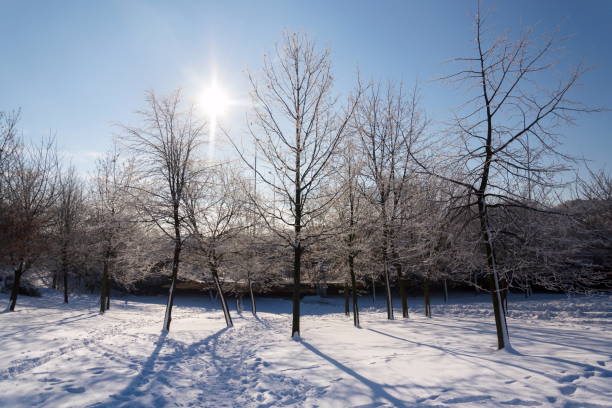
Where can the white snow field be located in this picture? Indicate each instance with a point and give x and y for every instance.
(55, 355)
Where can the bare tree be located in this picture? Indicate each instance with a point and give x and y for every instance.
(296, 128)
(506, 131)
(431, 233)
(390, 124)
(111, 206)
(350, 212)
(70, 208)
(31, 192)
(164, 148)
(9, 149)
(215, 213)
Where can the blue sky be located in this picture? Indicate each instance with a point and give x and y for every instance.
(77, 67)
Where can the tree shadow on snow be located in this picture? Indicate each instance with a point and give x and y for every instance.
(150, 374)
(470, 357)
(537, 335)
(32, 327)
(132, 389)
(377, 389)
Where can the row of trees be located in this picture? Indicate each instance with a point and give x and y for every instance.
(349, 190)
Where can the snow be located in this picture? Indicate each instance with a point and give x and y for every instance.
(56, 355)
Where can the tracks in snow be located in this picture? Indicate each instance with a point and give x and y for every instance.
(221, 370)
(18, 367)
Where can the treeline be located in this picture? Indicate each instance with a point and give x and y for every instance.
(355, 189)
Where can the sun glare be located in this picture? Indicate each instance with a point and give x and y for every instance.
(214, 101)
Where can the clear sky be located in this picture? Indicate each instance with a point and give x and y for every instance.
(76, 67)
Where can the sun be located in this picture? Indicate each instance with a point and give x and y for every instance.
(214, 101)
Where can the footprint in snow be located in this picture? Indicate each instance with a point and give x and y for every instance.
(522, 403)
(568, 389)
(469, 398)
(601, 363)
(568, 378)
(51, 380)
(74, 390)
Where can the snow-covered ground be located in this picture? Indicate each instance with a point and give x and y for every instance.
(52, 355)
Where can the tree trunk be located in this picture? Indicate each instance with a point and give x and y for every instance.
(347, 310)
(529, 288)
(226, 313)
(239, 303)
(253, 305)
(108, 296)
(65, 273)
(54, 283)
(385, 254)
(297, 225)
(498, 309)
(373, 290)
(168, 315)
(65, 286)
(389, 299)
(15, 290)
(171, 293)
(297, 264)
(354, 291)
(103, 287)
(445, 292)
(426, 297)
